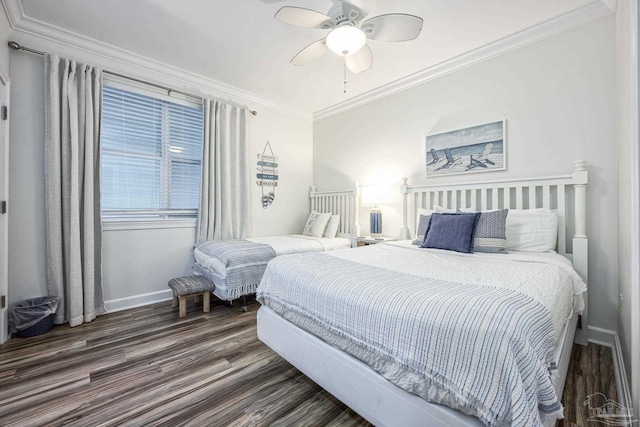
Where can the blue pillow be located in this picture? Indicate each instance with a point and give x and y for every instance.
(451, 231)
(491, 232)
(422, 229)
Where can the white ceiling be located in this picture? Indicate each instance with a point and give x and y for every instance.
(238, 42)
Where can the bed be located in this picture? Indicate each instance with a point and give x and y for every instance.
(236, 266)
(364, 323)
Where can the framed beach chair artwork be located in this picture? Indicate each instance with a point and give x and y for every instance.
(479, 148)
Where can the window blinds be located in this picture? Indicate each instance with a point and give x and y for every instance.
(151, 154)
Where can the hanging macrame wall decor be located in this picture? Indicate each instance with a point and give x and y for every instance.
(267, 175)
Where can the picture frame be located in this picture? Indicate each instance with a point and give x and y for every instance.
(480, 148)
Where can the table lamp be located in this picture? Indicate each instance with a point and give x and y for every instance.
(375, 196)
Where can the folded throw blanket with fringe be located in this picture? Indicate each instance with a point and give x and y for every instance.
(244, 261)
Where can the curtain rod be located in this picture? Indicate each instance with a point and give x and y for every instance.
(16, 46)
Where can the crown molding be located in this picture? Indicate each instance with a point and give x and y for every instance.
(14, 11)
(33, 27)
(580, 16)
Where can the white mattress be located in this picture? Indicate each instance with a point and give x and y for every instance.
(282, 245)
(298, 243)
(548, 278)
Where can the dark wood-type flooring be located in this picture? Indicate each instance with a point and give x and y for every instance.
(590, 371)
(146, 367)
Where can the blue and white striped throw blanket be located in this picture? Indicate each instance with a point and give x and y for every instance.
(244, 262)
(486, 351)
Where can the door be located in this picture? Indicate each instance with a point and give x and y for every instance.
(4, 193)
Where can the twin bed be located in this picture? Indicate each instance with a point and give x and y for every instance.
(236, 266)
(409, 336)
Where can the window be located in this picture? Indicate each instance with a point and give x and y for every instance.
(151, 153)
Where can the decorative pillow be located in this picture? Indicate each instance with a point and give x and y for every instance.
(451, 231)
(421, 212)
(332, 226)
(491, 232)
(316, 224)
(423, 224)
(532, 230)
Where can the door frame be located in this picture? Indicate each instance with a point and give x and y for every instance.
(4, 218)
(635, 209)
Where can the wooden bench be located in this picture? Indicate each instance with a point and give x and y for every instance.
(191, 286)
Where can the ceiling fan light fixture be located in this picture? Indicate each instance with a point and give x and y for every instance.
(346, 40)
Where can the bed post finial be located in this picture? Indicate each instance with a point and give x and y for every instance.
(404, 231)
(404, 185)
(580, 180)
(312, 198)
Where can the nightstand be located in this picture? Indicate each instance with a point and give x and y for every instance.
(370, 240)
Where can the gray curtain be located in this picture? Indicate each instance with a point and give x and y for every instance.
(225, 201)
(73, 94)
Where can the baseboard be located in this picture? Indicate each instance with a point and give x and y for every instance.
(611, 339)
(602, 336)
(622, 385)
(137, 300)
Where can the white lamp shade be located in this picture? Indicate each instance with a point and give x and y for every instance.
(346, 40)
(376, 195)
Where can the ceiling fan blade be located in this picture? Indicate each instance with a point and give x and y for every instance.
(394, 27)
(310, 53)
(360, 61)
(357, 10)
(301, 17)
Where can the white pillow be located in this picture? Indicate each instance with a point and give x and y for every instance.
(440, 209)
(532, 230)
(316, 224)
(332, 226)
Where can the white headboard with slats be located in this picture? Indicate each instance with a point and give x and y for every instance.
(346, 203)
(566, 193)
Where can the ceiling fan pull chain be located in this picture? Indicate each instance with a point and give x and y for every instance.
(345, 74)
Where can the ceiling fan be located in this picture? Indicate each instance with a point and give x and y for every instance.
(349, 31)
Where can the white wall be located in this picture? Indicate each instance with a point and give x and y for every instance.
(628, 191)
(139, 262)
(292, 141)
(558, 96)
(136, 262)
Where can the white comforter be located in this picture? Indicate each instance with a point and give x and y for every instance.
(547, 277)
(295, 243)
